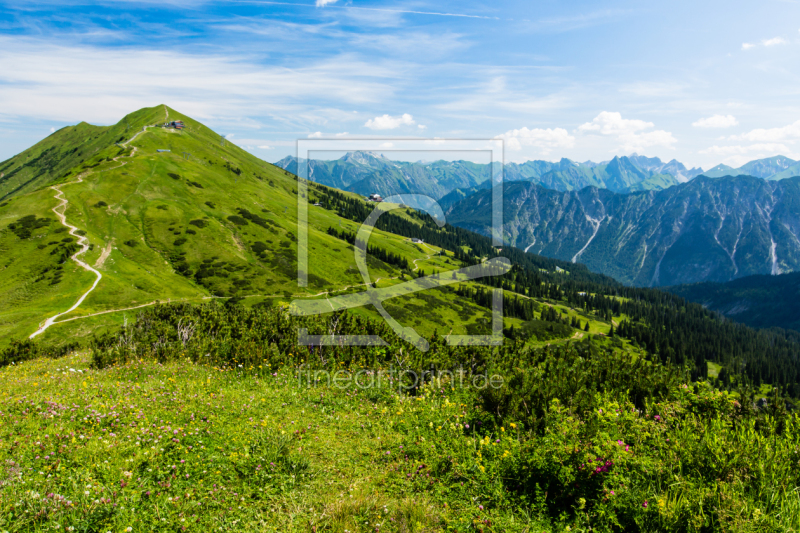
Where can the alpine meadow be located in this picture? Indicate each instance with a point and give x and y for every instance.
(379, 266)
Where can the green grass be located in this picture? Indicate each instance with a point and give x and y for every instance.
(146, 208)
(162, 447)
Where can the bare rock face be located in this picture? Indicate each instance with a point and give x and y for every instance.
(708, 229)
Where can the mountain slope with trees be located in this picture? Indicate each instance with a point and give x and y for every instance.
(758, 301)
(207, 220)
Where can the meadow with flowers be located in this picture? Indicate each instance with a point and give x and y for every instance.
(222, 429)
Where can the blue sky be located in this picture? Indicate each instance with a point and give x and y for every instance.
(703, 82)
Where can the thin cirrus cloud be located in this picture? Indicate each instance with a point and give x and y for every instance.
(716, 121)
(388, 122)
(629, 133)
(71, 83)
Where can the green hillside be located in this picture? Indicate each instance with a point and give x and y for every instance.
(53, 158)
(171, 392)
(656, 182)
(183, 216)
(217, 222)
(202, 220)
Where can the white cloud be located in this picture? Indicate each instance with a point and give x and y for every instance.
(766, 42)
(229, 136)
(388, 122)
(738, 155)
(774, 41)
(265, 147)
(323, 3)
(422, 126)
(52, 130)
(611, 123)
(315, 135)
(740, 149)
(716, 121)
(628, 132)
(343, 134)
(386, 145)
(543, 139)
(638, 142)
(790, 132)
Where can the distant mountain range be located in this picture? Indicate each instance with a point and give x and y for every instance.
(703, 230)
(621, 174)
(368, 172)
(771, 168)
(451, 181)
(639, 219)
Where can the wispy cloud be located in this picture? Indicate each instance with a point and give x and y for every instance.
(774, 41)
(737, 155)
(789, 132)
(766, 43)
(102, 84)
(575, 22)
(716, 121)
(742, 149)
(328, 3)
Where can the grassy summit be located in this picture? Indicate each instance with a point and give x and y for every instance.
(205, 219)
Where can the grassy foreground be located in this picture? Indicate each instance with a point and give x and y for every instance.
(179, 445)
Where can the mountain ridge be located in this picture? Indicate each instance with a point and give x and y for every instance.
(708, 229)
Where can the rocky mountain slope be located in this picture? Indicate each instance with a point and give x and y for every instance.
(705, 230)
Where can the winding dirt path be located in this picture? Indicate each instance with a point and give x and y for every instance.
(83, 241)
(60, 210)
(416, 266)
